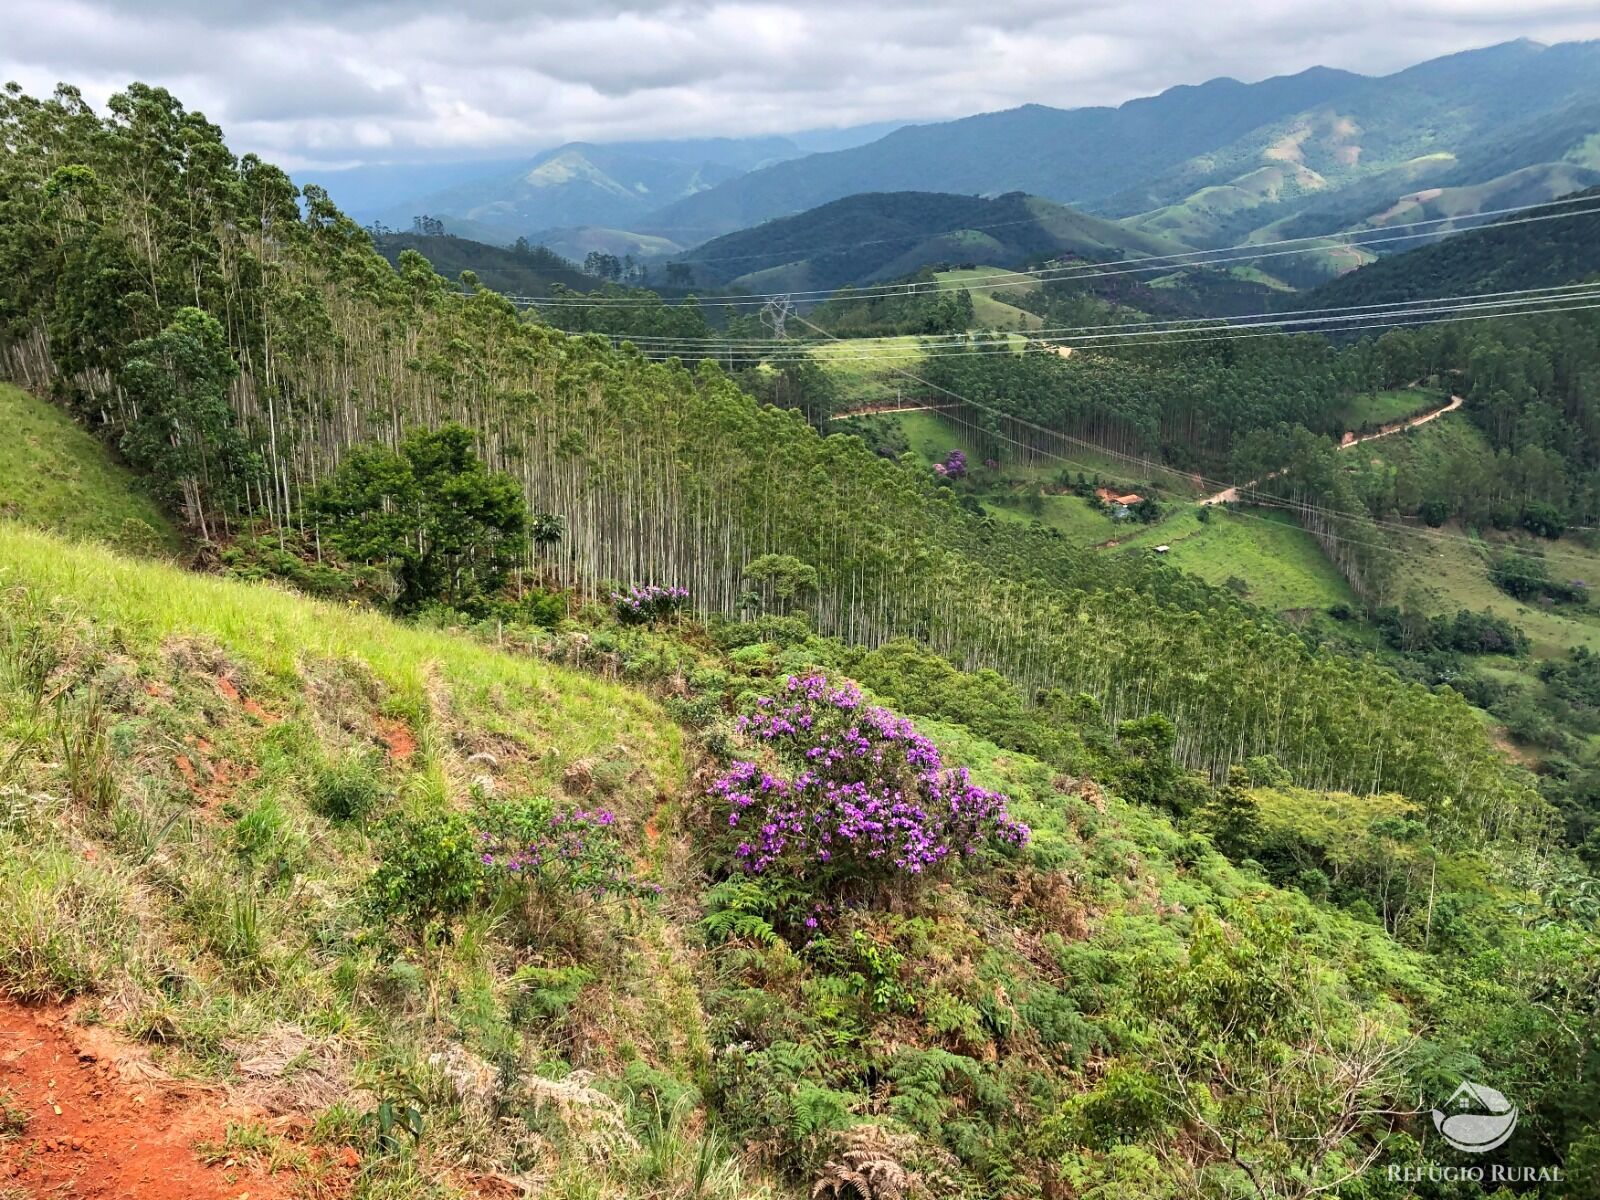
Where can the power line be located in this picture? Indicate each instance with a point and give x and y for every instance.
(1141, 328)
(1241, 252)
(1412, 319)
(1187, 476)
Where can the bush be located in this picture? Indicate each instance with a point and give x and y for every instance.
(576, 851)
(648, 604)
(852, 792)
(346, 790)
(427, 874)
(1524, 577)
(1434, 512)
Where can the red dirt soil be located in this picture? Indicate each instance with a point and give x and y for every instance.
(398, 739)
(93, 1134)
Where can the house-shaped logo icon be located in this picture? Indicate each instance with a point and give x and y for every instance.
(1476, 1118)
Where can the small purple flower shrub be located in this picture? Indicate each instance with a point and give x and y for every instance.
(954, 466)
(575, 851)
(843, 789)
(648, 604)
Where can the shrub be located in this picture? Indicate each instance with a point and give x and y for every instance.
(1524, 577)
(427, 873)
(648, 604)
(853, 791)
(347, 789)
(573, 850)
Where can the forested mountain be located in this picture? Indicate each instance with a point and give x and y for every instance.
(886, 236)
(1512, 253)
(1211, 164)
(1076, 156)
(676, 801)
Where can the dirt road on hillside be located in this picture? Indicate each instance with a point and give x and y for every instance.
(1230, 495)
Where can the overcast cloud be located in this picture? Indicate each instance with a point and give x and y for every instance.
(373, 81)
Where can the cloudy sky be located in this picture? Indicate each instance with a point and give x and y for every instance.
(369, 81)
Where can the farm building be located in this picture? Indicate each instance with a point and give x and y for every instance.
(1113, 498)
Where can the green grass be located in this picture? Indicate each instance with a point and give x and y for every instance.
(523, 699)
(989, 308)
(931, 437)
(1280, 564)
(1449, 570)
(1070, 515)
(54, 475)
(870, 380)
(1380, 408)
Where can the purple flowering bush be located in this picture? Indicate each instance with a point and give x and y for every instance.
(649, 603)
(551, 853)
(843, 789)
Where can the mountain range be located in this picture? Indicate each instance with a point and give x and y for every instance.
(578, 183)
(1223, 162)
(1549, 247)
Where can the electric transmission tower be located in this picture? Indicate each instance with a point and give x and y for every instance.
(775, 314)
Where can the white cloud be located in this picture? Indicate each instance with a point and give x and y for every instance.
(303, 82)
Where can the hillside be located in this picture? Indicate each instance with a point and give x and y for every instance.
(1079, 156)
(528, 272)
(56, 476)
(1452, 122)
(1503, 256)
(324, 947)
(885, 236)
(673, 801)
(1211, 164)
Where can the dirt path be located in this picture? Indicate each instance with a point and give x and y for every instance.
(1350, 439)
(1229, 495)
(873, 409)
(77, 1120)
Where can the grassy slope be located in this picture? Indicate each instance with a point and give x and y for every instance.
(540, 707)
(212, 906)
(989, 308)
(1448, 569)
(56, 476)
(1380, 408)
(1280, 564)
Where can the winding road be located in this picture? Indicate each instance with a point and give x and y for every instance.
(1229, 495)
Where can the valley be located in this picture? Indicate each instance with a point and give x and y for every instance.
(1049, 655)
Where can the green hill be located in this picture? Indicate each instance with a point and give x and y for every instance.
(514, 271)
(1503, 256)
(885, 236)
(56, 476)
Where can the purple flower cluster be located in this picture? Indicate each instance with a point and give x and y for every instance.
(851, 787)
(954, 466)
(640, 605)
